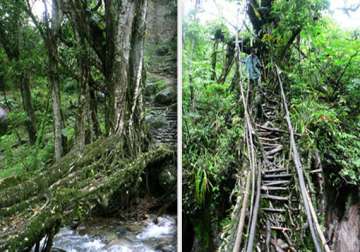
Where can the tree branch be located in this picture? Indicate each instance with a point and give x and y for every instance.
(295, 33)
(27, 9)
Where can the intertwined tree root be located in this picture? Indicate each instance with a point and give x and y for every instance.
(34, 206)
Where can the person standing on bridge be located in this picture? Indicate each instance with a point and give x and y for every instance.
(253, 66)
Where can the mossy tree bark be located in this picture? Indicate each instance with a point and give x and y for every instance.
(119, 47)
(126, 77)
(85, 131)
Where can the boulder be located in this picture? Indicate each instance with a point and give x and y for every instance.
(167, 177)
(166, 96)
(57, 250)
(155, 121)
(150, 89)
(162, 51)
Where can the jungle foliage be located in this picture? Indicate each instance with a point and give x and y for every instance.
(72, 112)
(320, 62)
(56, 84)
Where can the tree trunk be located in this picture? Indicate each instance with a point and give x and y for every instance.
(110, 13)
(49, 31)
(127, 74)
(120, 76)
(51, 43)
(94, 111)
(53, 76)
(213, 60)
(122, 61)
(137, 77)
(348, 231)
(28, 107)
(88, 128)
(85, 126)
(235, 79)
(229, 61)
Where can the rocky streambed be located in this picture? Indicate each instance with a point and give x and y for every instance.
(112, 235)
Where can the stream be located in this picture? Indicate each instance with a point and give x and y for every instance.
(112, 235)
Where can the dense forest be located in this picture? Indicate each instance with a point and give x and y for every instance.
(278, 169)
(87, 116)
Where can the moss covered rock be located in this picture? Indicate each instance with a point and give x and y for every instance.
(167, 177)
(155, 121)
(166, 96)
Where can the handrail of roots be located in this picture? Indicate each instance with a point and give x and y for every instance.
(254, 173)
(309, 209)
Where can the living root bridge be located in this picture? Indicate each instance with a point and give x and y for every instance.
(36, 206)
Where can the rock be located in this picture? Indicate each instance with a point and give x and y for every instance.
(155, 121)
(167, 177)
(166, 96)
(57, 250)
(173, 107)
(121, 231)
(150, 89)
(164, 247)
(3, 121)
(162, 51)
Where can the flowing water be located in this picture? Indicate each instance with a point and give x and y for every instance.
(111, 235)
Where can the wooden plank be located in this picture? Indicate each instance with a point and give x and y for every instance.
(274, 188)
(276, 182)
(268, 145)
(274, 197)
(275, 210)
(276, 170)
(316, 171)
(275, 150)
(263, 127)
(280, 228)
(270, 176)
(265, 133)
(274, 139)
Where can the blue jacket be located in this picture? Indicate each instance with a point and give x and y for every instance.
(252, 64)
